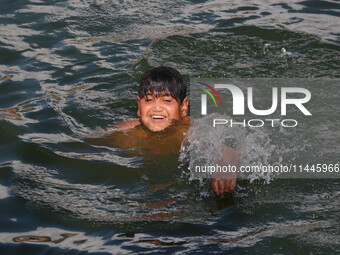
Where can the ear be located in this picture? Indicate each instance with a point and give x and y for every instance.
(138, 111)
(184, 107)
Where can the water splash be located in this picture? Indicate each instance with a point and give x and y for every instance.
(203, 145)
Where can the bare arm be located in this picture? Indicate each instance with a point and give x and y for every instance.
(226, 182)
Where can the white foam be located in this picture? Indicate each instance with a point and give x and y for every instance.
(4, 193)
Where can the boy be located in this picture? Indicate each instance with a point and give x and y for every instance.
(162, 102)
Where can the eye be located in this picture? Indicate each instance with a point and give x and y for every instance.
(148, 99)
(167, 100)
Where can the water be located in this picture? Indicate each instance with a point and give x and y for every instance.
(71, 68)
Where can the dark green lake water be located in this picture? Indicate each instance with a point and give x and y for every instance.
(70, 67)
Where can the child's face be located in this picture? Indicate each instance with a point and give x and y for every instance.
(158, 113)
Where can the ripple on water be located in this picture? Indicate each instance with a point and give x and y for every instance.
(70, 67)
(247, 51)
(132, 201)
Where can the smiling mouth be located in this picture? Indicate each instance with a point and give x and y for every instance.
(157, 117)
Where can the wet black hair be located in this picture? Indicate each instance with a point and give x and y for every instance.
(163, 80)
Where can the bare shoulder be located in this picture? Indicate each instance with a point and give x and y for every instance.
(126, 124)
(121, 126)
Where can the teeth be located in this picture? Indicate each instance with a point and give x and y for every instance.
(158, 117)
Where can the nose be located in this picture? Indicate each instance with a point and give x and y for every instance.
(158, 106)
